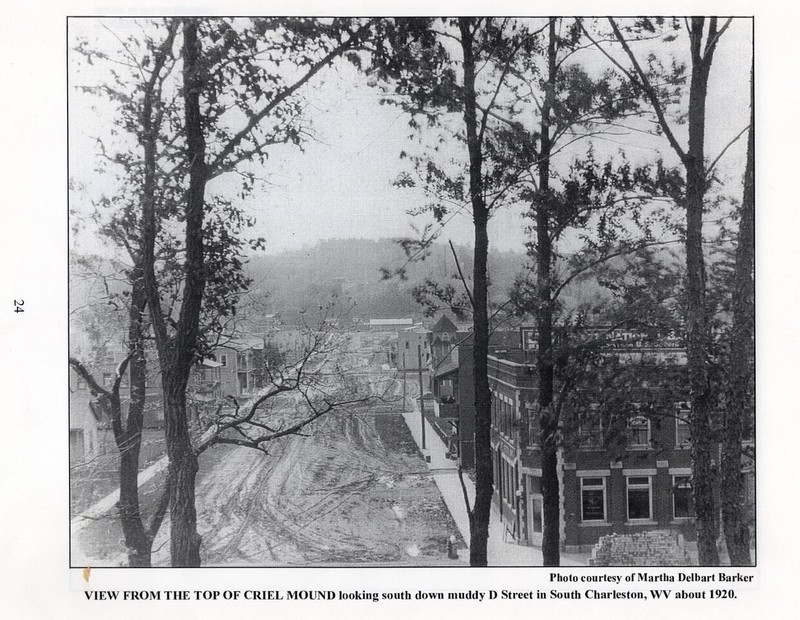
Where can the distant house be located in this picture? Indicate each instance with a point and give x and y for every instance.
(244, 363)
(228, 377)
(411, 347)
(389, 325)
(442, 338)
(83, 422)
(235, 369)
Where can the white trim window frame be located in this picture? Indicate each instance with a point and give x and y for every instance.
(636, 485)
(639, 433)
(591, 486)
(683, 485)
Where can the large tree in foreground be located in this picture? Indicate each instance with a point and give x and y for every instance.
(207, 97)
(605, 209)
(738, 415)
(230, 76)
(452, 76)
(657, 87)
(603, 205)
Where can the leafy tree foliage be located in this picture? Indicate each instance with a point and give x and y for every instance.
(662, 88)
(209, 97)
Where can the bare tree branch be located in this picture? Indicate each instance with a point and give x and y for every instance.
(642, 81)
(710, 168)
(461, 274)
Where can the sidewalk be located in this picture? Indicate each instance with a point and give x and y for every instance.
(445, 474)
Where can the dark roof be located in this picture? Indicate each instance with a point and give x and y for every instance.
(444, 325)
(445, 369)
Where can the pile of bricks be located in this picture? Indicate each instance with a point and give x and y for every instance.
(654, 548)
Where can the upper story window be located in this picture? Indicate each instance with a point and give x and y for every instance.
(533, 427)
(510, 419)
(502, 415)
(638, 432)
(683, 433)
(591, 428)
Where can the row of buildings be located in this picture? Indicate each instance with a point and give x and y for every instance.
(625, 463)
(238, 368)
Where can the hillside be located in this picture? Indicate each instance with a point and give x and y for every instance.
(295, 284)
(351, 269)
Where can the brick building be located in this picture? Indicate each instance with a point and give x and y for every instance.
(623, 467)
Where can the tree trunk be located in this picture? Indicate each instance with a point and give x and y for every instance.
(137, 541)
(128, 432)
(484, 485)
(740, 386)
(698, 337)
(184, 539)
(180, 353)
(551, 545)
(177, 353)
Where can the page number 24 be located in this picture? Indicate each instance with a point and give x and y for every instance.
(18, 305)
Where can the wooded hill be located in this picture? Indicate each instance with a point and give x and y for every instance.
(295, 284)
(350, 269)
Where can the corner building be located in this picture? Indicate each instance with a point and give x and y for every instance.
(623, 473)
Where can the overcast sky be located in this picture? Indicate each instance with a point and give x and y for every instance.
(341, 185)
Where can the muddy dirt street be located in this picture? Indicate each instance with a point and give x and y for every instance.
(356, 491)
(353, 490)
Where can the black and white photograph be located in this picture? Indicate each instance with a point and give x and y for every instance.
(411, 292)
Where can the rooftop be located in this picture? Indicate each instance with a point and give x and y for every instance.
(444, 324)
(408, 322)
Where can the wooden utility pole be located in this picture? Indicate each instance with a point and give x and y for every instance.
(404, 380)
(421, 394)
